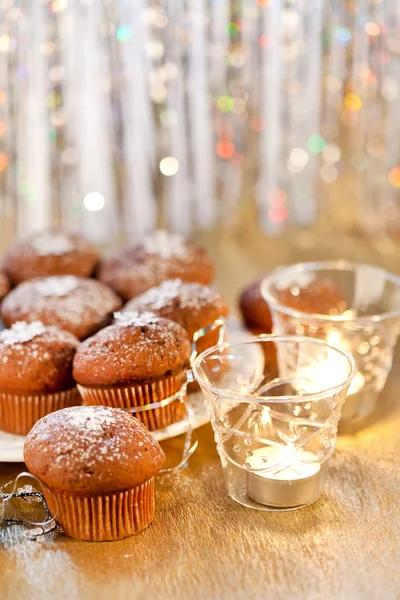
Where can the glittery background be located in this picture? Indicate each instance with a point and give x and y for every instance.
(116, 115)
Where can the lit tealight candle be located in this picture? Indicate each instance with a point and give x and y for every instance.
(296, 481)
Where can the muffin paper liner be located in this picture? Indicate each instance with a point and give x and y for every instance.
(103, 517)
(156, 404)
(19, 413)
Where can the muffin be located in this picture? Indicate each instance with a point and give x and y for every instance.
(55, 251)
(192, 305)
(140, 360)
(320, 295)
(76, 304)
(254, 309)
(35, 374)
(257, 319)
(158, 257)
(5, 285)
(96, 466)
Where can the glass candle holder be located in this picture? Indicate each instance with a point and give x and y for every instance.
(354, 306)
(274, 438)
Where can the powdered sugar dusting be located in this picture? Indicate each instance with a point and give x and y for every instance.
(57, 285)
(163, 294)
(135, 318)
(81, 432)
(86, 444)
(189, 295)
(86, 419)
(165, 244)
(55, 244)
(21, 332)
(71, 303)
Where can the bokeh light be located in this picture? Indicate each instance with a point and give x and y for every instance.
(372, 28)
(4, 43)
(123, 33)
(53, 99)
(233, 28)
(225, 103)
(239, 106)
(94, 202)
(277, 214)
(352, 101)
(342, 36)
(264, 41)
(316, 143)
(169, 166)
(47, 48)
(155, 49)
(158, 92)
(3, 162)
(225, 149)
(394, 177)
(58, 5)
(298, 159)
(57, 73)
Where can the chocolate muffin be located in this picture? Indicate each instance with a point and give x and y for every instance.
(96, 466)
(158, 257)
(257, 319)
(35, 374)
(76, 304)
(5, 285)
(140, 360)
(321, 295)
(192, 305)
(254, 309)
(55, 251)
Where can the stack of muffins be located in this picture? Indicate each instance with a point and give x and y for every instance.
(138, 363)
(70, 340)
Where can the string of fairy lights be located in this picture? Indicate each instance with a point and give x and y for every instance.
(120, 115)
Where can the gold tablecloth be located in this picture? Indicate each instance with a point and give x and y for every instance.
(204, 546)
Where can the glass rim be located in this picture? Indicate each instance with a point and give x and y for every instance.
(313, 396)
(339, 265)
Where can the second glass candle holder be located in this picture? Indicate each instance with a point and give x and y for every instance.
(353, 306)
(273, 437)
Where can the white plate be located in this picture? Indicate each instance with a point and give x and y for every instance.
(12, 446)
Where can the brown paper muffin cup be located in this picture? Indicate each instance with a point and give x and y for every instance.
(103, 517)
(136, 396)
(19, 413)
